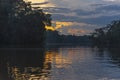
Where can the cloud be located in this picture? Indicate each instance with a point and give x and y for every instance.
(68, 24)
(77, 28)
(75, 4)
(101, 11)
(103, 14)
(37, 1)
(111, 0)
(98, 10)
(80, 21)
(77, 31)
(56, 10)
(82, 4)
(81, 16)
(43, 3)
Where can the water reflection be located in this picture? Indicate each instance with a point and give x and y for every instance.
(83, 63)
(23, 64)
(114, 54)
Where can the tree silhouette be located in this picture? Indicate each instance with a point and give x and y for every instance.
(109, 35)
(24, 25)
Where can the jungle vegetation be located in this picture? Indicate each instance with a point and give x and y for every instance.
(108, 35)
(20, 24)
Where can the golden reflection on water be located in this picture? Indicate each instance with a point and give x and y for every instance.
(53, 59)
(64, 57)
(56, 59)
(30, 73)
(59, 64)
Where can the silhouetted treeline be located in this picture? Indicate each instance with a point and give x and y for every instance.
(53, 37)
(21, 24)
(109, 35)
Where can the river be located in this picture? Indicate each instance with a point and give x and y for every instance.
(60, 63)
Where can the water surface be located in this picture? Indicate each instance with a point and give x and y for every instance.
(63, 63)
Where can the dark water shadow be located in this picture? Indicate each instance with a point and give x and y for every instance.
(21, 64)
(114, 54)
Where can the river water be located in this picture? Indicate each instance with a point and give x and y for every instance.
(60, 63)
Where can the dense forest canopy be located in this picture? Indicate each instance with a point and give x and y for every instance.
(54, 37)
(109, 35)
(21, 24)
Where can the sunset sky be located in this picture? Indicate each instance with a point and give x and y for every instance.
(80, 17)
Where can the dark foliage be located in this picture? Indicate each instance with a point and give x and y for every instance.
(53, 37)
(109, 35)
(22, 25)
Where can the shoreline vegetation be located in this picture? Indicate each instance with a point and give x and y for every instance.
(55, 38)
(20, 24)
(108, 36)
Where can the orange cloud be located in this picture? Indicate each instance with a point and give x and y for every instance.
(67, 24)
(58, 24)
(78, 31)
(64, 23)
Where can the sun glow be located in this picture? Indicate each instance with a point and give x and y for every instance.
(57, 25)
(49, 28)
